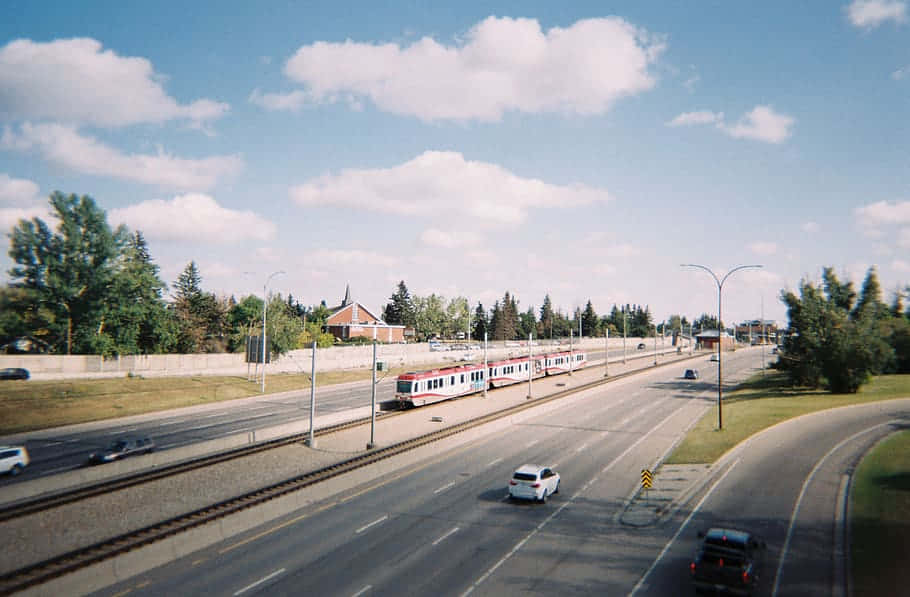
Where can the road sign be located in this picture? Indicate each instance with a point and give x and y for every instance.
(646, 478)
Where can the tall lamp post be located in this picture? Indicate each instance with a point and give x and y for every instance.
(720, 286)
(265, 302)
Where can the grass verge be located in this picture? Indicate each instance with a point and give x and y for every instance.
(763, 401)
(880, 519)
(27, 406)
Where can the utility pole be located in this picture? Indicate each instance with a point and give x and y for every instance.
(607, 353)
(720, 286)
(530, 364)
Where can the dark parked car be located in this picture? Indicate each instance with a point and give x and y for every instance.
(641, 346)
(122, 448)
(14, 373)
(728, 561)
(691, 374)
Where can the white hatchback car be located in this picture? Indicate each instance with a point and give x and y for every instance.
(13, 459)
(533, 482)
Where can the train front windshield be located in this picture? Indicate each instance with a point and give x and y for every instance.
(404, 386)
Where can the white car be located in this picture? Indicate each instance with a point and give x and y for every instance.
(13, 459)
(714, 357)
(533, 482)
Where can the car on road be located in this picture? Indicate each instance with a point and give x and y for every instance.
(691, 374)
(13, 459)
(728, 561)
(533, 482)
(714, 358)
(122, 448)
(14, 373)
(641, 346)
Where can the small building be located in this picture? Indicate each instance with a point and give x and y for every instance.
(708, 340)
(757, 331)
(350, 319)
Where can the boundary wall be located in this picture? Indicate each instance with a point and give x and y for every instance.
(54, 367)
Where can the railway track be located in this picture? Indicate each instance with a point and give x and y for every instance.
(36, 574)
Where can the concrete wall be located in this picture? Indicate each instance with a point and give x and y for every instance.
(51, 367)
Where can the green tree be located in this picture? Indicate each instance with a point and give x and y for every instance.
(283, 327)
(430, 315)
(400, 309)
(69, 272)
(458, 312)
(480, 323)
(545, 323)
(589, 321)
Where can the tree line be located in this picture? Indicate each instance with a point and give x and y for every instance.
(85, 288)
(837, 339)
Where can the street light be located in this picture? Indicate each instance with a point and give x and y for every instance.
(720, 286)
(265, 301)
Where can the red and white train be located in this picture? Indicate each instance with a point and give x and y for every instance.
(426, 387)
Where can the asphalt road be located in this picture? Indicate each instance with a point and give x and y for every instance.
(445, 527)
(59, 450)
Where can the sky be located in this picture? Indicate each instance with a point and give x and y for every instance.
(581, 150)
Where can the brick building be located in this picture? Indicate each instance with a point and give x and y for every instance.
(350, 319)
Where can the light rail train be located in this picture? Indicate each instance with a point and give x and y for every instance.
(435, 385)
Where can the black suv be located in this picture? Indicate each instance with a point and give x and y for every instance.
(691, 374)
(121, 448)
(727, 561)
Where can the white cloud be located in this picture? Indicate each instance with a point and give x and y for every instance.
(762, 124)
(874, 216)
(17, 191)
(899, 265)
(193, 218)
(293, 100)
(810, 227)
(903, 238)
(504, 65)
(64, 145)
(10, 216)
(441, 184)
(869, 14)
(75, 81)
(763, 248)
(901, 73)
(701, 117)
(350, 257)
(451, 239)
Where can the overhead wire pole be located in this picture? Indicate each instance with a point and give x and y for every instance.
(720, 287)
(265, 302)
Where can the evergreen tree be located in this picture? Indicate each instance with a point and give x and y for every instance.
(480, 324)
(589, 321)
(68, 272)
(400, 309)
(545, 324)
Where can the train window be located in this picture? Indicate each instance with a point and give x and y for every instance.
(453, 379)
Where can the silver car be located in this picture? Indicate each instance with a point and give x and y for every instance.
(533, 482)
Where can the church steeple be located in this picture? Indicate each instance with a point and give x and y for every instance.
(347, 296)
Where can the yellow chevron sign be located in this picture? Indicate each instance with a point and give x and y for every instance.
(646, 478)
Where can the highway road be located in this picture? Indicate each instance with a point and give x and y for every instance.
(59, 450)
(445, 527)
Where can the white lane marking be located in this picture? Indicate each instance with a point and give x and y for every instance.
(581, 447)
(444, 537)
(362, 591)
(497, 461)
(799, 501)
(444, 487)
(531, 444)
(259, 582)
(681, 528)
(375, 522)
(554, 465)
(569, 501)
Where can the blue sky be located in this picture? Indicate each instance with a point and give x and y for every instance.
(582, 150)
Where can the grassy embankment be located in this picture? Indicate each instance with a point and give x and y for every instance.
(763, 401)
(30, 405)
(880, 519)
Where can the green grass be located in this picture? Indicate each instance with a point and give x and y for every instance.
(26, 406)
(880, 519)
(763, 401)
